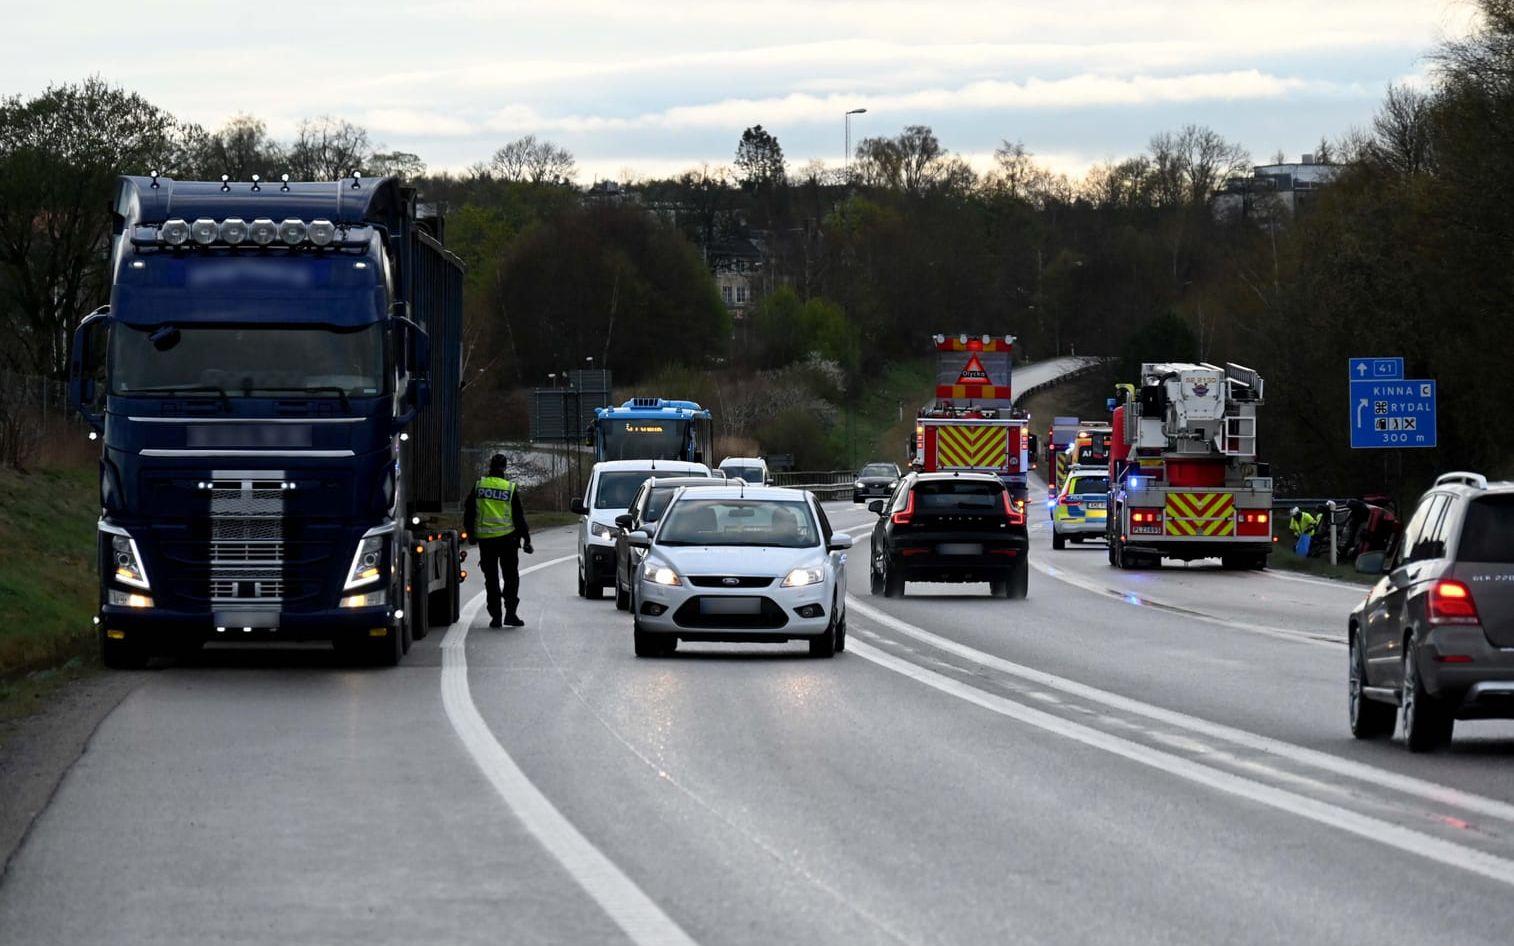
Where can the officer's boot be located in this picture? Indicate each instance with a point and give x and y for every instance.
(511, 618)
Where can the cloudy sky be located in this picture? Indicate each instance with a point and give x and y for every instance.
(648, 87)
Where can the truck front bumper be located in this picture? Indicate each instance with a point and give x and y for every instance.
(155, 627)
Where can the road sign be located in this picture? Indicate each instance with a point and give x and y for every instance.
(1375, 369)
(1393, 413)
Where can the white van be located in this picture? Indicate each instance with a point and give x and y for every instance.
(752, 469)
(612, 484)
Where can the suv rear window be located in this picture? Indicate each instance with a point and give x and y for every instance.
(1085, 485)
(958, 496)
(1488, 535)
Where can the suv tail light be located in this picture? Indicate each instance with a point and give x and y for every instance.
(903, 516)
(1014, 509)
(1450, 602)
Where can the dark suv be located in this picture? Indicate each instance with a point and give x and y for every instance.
(1435, 635)
(951, 527)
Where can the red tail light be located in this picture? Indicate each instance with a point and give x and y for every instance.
(1014, 509)
(903, 516)
(1146, 521)
(1450, 602)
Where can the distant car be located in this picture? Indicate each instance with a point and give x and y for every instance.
(741, 564)
(1078, 511)
(612, 484)
(875, 480)
(951, 527)
(1435, 636)
(752, 469)
(651, 500)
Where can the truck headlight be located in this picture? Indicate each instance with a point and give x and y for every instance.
(660, 574)
(366, 562)
(800, 577)
(127, 599)
(127, 561)
(601, 530)
(372, 599)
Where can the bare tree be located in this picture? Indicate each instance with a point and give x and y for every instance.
(529, 160)
(1402, 133)
(401, 164)
(240, 148)
(1188, 165)
(328, 148)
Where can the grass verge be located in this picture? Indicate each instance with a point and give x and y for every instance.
(48, 585)
(1318, 567)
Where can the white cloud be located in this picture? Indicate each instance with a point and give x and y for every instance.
(411, 122)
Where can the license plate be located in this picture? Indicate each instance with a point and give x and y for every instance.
(1096, 505)
(960, 548)
(730, 605)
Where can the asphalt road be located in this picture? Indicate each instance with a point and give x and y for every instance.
(1153, 757)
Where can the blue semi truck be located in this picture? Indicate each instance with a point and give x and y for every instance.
(652, 428)
(275, 383)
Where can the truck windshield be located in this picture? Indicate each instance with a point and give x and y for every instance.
(643, 439)
(247, 361)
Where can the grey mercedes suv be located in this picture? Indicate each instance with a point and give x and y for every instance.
(1435, 636)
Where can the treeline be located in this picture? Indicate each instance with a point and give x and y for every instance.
(1409, 251)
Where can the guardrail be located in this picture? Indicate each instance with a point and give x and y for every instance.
(820, 482)
(1090, 365)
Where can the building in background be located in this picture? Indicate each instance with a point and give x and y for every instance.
(1273, 192)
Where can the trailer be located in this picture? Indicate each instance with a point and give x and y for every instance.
(276, 383)
(972, 424)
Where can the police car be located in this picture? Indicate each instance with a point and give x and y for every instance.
(1078, 511)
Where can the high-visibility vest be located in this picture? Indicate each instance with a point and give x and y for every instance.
(496, 515)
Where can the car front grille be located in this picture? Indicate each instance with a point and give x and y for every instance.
(729, 581)
(770, 616)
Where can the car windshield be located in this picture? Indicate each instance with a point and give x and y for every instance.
(1088, 485)
(880, 469)
(1488, 535)
(744, 522)
(752, 474)
(657, 503)
(248, 361)
(958, 496)
(617, 488)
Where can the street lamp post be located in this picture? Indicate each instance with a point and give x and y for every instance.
(846, 160)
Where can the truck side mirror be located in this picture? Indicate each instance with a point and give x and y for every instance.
(88, 349)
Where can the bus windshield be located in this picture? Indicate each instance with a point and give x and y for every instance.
(643, 439)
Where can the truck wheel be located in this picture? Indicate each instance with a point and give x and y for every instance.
(1369, 718)
(122, 655)
(893, 582)
(1427, 721)
(1057, 541)
(1019, 580)
(1233, 563)
(1259, 562)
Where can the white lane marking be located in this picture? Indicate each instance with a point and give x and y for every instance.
(1281, 633)
(632, 910)
(1373, 829)
(1357, 591)
(1409, 785)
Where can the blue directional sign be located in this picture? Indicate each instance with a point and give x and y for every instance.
(1375, 369)
(1392, 413)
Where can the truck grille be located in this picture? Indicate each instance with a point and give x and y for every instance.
(265, 552)
(247, 535)
(230, 590)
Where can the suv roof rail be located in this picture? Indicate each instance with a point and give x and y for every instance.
(1474, 480)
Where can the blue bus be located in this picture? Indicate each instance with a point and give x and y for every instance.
(652, 428)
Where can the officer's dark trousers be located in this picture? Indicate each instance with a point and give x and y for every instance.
(496, 556)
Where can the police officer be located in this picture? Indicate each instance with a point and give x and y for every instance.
(496, 521)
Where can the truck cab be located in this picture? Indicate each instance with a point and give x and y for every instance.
(256, 383)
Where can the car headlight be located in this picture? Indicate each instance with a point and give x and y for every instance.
(860, 485)
(601, 530)
(800, 577)
(127, 561)
(366, 561)
(660, 574)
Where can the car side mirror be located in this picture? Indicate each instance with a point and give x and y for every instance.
(639, 539)
(876, 506)
(1371, 563)
(624, 521)
(578, 507)
(839, 543)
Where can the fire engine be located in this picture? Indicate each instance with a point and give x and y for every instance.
(1184, 477)
(1075, 443)
(973, 425)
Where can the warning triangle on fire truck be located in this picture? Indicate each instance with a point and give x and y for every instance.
(972, 372)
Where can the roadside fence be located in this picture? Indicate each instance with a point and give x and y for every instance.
(823, 483)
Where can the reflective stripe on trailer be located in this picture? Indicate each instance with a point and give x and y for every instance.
(1199, 514)
(972, 447)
